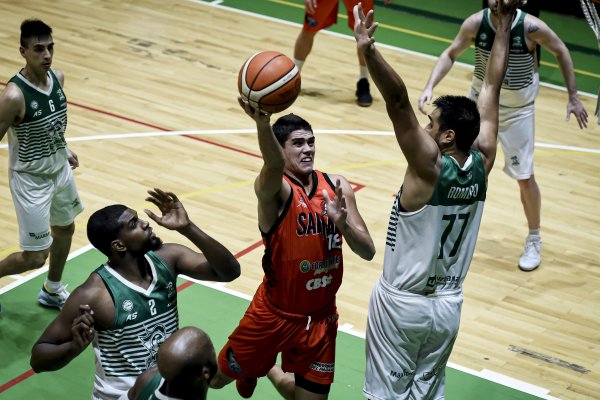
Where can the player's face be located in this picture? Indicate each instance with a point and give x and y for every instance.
(433, 127)
(299, 152)
(38, 53)
(136, 234)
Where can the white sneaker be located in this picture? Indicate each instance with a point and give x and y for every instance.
(53, 299)
(532, 256)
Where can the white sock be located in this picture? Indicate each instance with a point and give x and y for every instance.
(364, 72)
(299, 64)
(52, 286)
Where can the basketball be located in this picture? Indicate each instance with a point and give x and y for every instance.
(269, 80)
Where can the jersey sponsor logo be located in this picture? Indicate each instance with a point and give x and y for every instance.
(483, 36)
(517, 41)
(321, 266)
(152, 341)
(127, 305)
(465, 193)
(131, 317)
(38, 113)
(301, 202)
(514, 160)
(34, 105)
(322, 367)
(39, 235)
(318, 283)
(61, 96)
(170, 290)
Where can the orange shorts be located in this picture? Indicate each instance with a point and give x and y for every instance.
(326, 14)
(307, 346)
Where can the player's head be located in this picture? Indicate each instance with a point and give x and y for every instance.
(188, 362)
(296, 137)
(457, 122)
(37, 46)
(116, 229)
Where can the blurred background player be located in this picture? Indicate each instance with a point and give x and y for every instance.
(33, 109)
(320, 14)
(186, 363)
(517, 100)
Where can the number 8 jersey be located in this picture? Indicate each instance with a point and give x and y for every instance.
(431, 249)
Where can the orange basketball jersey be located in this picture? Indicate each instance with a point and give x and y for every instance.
(304, 250)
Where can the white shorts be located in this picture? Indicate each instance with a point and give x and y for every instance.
(516, 133)
(409, 340)
(42, 201)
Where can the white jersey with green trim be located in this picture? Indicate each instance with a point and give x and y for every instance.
(431, 249)
(144, 319)
(37, 145)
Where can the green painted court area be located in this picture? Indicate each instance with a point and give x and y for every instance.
(429, 26)
(23, 320)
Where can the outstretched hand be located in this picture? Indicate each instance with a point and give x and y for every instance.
(174, 216)
(575, 107)
(364, 28)
(336, 208)
(258, 115)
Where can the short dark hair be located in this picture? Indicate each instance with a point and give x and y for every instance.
(460, 114)
(103, 227)
(288, 124)
(34, 28)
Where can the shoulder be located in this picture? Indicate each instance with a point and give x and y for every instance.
(12, 93)
(473, 22)
(60, 76)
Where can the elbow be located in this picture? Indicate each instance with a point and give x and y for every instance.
(233, 271)
(35, 364)
(368, 252)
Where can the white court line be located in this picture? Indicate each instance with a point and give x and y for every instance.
(253, 131)
(379, 44)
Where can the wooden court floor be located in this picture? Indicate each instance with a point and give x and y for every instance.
(138, 71)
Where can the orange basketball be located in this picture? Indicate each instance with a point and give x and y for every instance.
(269, 80)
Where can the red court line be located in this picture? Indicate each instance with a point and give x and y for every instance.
(16, 380)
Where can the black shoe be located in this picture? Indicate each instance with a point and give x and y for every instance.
(363, 95)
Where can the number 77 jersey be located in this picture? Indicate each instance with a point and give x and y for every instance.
(431, 249)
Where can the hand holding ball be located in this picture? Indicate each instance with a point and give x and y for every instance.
(270, 81)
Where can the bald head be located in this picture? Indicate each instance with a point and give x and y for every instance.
(187, 357)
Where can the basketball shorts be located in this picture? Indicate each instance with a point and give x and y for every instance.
(516, 133)
(306, 344)
(409, 340)
(326, 14)
(42, 201)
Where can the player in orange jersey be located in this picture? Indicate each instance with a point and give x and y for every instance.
(321, 14)
(302, 215)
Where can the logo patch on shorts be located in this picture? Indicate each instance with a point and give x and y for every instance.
(322, 367)
(310, 21)
(39, 235)
(232, 362)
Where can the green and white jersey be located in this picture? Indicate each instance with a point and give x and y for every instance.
(37, 145)
(431, 249)
(144, 319)
(520, 86)
(151, 391)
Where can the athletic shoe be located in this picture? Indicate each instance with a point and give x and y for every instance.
(532, 256)
(246, 386)
(363, 95)
(53, 299)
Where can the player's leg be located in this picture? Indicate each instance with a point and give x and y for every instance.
(66, 205)
(284, 382)
(324, 16)
(363, 92)
(31, 197)
(516, 135)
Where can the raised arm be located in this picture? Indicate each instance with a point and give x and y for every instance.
(270, 187)
(538, 32)
(214, 263)
(464, 38)
(420, 149)
(343, 211)
(488, 101)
